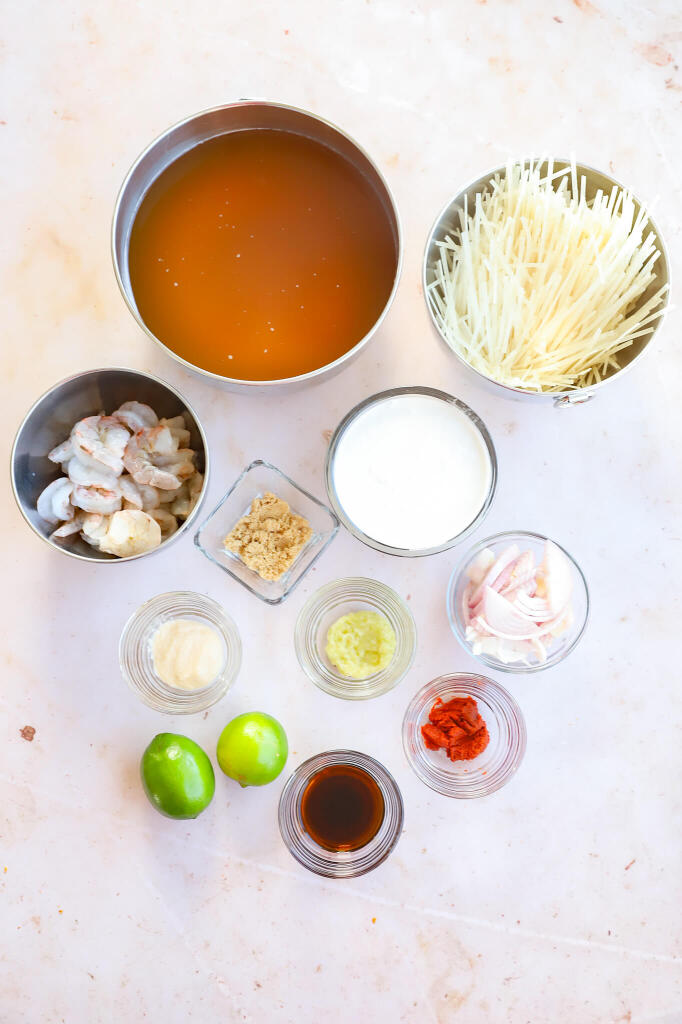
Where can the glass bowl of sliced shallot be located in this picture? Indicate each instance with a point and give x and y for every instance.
(518, 602)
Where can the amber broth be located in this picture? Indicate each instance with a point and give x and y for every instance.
(261, 255)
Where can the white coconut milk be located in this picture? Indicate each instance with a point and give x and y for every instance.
(412, 471)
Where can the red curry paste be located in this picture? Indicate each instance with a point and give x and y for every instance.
(457, 728)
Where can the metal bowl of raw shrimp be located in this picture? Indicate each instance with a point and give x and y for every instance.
(50, 420)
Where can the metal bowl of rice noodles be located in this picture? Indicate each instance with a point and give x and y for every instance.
(547, 279)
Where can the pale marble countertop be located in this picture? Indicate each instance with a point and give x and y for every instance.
(558, 898)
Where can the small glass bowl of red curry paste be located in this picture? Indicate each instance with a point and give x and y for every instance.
(498, 759)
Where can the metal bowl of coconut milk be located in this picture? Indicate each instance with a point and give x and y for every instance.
(411, 471)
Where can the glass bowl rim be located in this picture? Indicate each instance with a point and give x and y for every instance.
(512, 668)
(380, 396)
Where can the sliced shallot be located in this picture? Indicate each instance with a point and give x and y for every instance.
(513, 608)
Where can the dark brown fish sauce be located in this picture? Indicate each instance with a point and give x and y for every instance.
(342, 808)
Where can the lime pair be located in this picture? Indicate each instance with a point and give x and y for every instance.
(177, 774)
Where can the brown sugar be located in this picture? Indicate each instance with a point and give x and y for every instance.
(270, 537)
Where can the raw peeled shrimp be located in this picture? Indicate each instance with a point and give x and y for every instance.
(62, 452)
(167, 497)
(180, 505)
(151, 497)
(137, 416)
(178, 429)
(130, 532)
(100, 441)
(91, 476)
(142, 453)
(96, 499)
(94, 526)
(188, 496)
(194, 486)
(159, 441)
(66, 529)
(176, 458)
(54, 504)
(121, 512)
(138, 495)
(167, 522)
(130, 492)
(174, 422)
(180, 463)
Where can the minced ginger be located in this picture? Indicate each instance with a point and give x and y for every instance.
(270, 537)
(361, 644)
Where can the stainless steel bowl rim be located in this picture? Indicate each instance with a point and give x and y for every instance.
(237, 381)
(573, 396)
(168, 540)
(393, 393)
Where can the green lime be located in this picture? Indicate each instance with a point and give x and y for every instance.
(253, 749)
(177, 776)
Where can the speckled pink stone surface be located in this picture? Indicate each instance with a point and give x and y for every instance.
(554, 901)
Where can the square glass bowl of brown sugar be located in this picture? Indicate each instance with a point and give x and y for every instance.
(267, 546)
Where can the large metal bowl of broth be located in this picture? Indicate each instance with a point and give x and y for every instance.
(258, 244)
(49, 421)
(447, 222)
